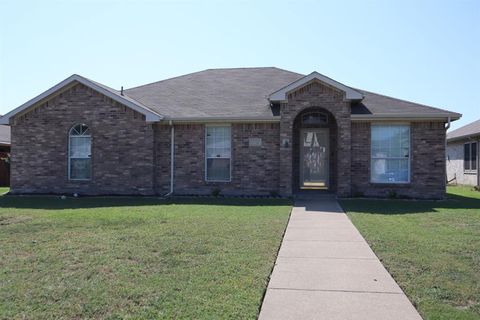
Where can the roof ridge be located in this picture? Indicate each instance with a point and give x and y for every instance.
(209, 69)
(403, 100)
(237, 68)
(154, 82)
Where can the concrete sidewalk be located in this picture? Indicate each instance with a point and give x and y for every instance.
(326, 270)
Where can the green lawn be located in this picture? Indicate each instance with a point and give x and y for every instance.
(432, 249)
(136, 258)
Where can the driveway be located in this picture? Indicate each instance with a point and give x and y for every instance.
(326, 270)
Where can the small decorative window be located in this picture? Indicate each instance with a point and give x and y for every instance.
(218, 153)
(79, 153)
(314, 118)
(390, 152)
(470, 157)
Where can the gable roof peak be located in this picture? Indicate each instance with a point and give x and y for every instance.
(281, 94)
(150, 115)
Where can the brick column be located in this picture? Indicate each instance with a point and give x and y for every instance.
(286, 135)
(344, 158)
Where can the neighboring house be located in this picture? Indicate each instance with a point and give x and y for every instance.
(4, 156)
(463, 155)
(245, 131)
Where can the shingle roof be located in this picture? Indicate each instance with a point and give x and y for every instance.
(119, 94)
(236, 93)
(469, 130)
(243, 93)
(4, 135)
(377, 104)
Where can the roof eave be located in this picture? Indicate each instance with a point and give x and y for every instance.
(149, 115)
(221, 119)
(463, 137)
(400, 116)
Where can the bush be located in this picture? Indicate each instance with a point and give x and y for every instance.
(358, 194)
(274, 194)
(392, 194)
(216, 192)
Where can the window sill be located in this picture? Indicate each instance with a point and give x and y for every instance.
(390, 183)
(470, 172)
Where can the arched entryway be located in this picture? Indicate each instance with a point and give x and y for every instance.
(314, 150)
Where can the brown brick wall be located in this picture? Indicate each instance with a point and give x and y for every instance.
(122, 153)
(162, 150)
(321, 96)
(254, 169)
(427, 163)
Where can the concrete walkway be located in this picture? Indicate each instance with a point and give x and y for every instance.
(326, 270)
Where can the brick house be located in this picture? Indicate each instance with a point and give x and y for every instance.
(463, 155)
(245, 131)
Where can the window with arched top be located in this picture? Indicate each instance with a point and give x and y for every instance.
(314, 119)
(79, 153)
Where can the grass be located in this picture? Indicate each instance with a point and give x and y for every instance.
(432, 249)
(136, 258)
(4, 190)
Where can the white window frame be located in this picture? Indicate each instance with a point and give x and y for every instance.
(399, 158)
(206, 153)
(69, 149)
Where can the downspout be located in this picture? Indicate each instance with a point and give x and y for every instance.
(478, 164)
(172, 158)
(446, 153)
(154, 164)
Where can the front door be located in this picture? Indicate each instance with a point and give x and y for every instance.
(314, 159)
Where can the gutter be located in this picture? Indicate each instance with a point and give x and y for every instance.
(419, 117)
(445, 167)
(464, 137)
(221, 119)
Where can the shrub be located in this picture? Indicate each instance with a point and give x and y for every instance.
(274, 194)
(392, 194)
(216, 192)
(358, 194)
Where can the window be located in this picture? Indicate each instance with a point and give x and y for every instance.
(79, 154)
(390, 154)
(470, 156)
(218, 153)
(314, 118)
